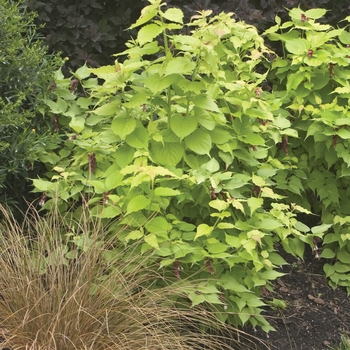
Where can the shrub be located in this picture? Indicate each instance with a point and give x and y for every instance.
(25, 72)
(89, 31)
(188, 138)
(65, 286)
(231, 150)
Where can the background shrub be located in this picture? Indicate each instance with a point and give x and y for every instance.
(25, 73)
(93, 30)
(89, 31)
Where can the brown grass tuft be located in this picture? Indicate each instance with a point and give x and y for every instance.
(102, 298)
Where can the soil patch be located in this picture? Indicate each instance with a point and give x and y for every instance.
(316, 315)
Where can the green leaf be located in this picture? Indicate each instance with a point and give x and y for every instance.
(167, 154)
(340, 267)
(183, 126)
(206, 103)
(110, 212)
(134, 235)
(158, 226)
(233, 241)
(180, 65)
(315, 13)
(218, 204)
(147, 14)
(328, 269)
(276, 259)
(344, 256)
(98, 185)
(291, 132)
(225, 225)
(123, 126)
(174, 15)
(137, 203)
(253, 139)
(216, 248)
(166, 192)
(147, 33)
(258, 180)
(271, 274)
(212, 166)
(282, 122)
(344, 37)
(44, 185)
(77, 124)
(268, 224)
(157, 83)
(199, 142)
(113, 180)
(298, 46)
(72, 254)
(229, 282)
(343, 133)
(238, 181)
(138, 139)
(203, 230)
(254, 203)
(82, 72)
(204, 118)
(327, 253)
(301, 227)
(220, 136)
(152, 240)
(123, 155)
(244, 315)
(320, 229)
(108, 109)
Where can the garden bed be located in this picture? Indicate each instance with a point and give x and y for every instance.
(316, 315)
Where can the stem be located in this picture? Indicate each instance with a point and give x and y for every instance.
(166, 43)
(189, 93)
(169, 105)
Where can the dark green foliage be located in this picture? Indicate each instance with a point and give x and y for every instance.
(93, 30)
(24, 67)
(25, 72)
(87, 30)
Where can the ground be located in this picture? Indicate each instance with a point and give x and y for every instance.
(316, 315)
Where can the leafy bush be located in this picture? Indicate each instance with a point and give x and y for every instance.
(184, 138)
(231, 150)
(25, 72)
(69, 289)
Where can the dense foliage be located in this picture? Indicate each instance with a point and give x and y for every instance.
(25, 72)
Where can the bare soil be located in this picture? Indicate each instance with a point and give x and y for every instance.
(316, 315)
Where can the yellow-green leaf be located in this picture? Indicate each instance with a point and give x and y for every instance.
(203, 230)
